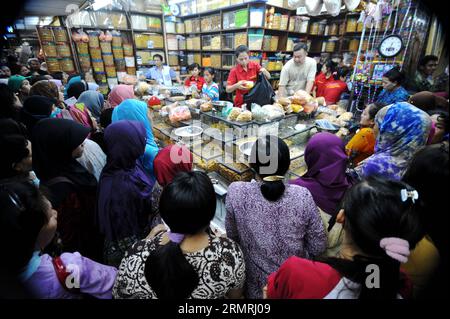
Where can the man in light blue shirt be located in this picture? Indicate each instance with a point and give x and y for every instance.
(161, 74)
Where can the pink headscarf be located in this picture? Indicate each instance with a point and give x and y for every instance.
(119, 94)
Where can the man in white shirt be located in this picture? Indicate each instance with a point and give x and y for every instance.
(298, 73)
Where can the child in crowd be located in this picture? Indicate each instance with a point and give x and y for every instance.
(362, 143)
(29, 220)
(195, 79)
(382, 223)
(210, 89)
(333, 90)
(327, 75)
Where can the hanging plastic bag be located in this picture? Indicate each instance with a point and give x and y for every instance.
(313, 7)
(295, 4)
(262, 93)
(352, 4)
(333, 7)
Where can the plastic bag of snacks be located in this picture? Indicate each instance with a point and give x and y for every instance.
(179, 113)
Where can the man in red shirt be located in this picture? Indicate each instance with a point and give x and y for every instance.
(245, 70)
(326, 75)
(333, 90)
(195, 78)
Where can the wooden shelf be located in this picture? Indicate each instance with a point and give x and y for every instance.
(148, 49)
(147, 31)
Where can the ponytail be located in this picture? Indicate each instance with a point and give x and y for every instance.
(272, 191)
(169, 274)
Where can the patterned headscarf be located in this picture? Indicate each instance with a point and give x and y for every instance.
(403, 129)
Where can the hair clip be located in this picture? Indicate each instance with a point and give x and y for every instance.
(405, 194)
(273, 178)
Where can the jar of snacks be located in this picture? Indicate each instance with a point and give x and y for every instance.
(82, 48)
(106, 47)
(111, 71)
(351, 25)
(330, 46)
(96, 53)
(49, 49)
(67, 65)
(314, 28)
(98, 66)
(46, 34)
(116, 40)
(93, 39)
(63, 50)
(354, 45)
(334, 28)
(128, 50)
(60, 35)
(322, 26)
(118, 53)
(108, 59)
(342, 27)
(53, 65)
(360, 27)
(304, 25)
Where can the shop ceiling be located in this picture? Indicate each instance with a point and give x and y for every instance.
(50, 7)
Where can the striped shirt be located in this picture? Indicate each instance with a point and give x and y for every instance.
(212, 91)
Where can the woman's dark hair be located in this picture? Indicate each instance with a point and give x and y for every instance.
(21, 218)
(395, 75)
(76, 89)
(270, 156)
(193, 66)
(429, 173)
(57, 76)
(11, 127)
(45, 88)
(158, 56)
(342, 73)
(374, 108)
(443, 117)
(7, 100)
(106, 117)
(38, 78)
(15, 150)
(210, 71)
(424, 61)
(374, 210)
(187, 206)
(331, 66)
(241, 49)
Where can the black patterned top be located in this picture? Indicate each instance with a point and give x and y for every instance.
(220, 268)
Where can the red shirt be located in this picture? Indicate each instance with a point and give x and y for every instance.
(238, 74)
(320, 82)
(199, 81)
(332, 91)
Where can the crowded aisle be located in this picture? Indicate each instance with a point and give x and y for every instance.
(191, 149)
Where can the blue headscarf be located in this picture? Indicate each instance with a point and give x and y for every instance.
(93, 100)
(403, 129)
(134, 110)
(73, 80)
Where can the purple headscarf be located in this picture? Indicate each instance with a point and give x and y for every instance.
(124, 188)
(326, 178)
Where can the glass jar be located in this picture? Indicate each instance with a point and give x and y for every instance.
(351, 25)
(314, 28)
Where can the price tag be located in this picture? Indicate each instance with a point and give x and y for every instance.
(150, 44)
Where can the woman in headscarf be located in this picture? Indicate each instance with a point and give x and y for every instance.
(124, 203)
(326, 177)
(72, 80)
(48, 89)
(120, 93)
(93, 101)
(75, 89)
(34, 109)
(327, 180)
(401, 129)
(135, 110)
(56, 144)
(170, 161)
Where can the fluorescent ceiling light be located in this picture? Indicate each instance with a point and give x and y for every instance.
(98, 4)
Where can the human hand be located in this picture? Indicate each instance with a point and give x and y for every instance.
(242, 85)
(156, 230)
